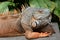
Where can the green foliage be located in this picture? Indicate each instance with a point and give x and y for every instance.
(42, 4)
(57, 9)
(4, 6)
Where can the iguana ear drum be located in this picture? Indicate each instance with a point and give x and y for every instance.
(36, 24)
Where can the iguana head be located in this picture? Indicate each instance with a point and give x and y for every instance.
(35, 17)
(41, 17)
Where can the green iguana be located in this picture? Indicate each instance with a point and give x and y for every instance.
(29, 22)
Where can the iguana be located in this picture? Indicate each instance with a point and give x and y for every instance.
(28, 23)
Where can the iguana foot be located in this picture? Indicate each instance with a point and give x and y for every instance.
(31, 35)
